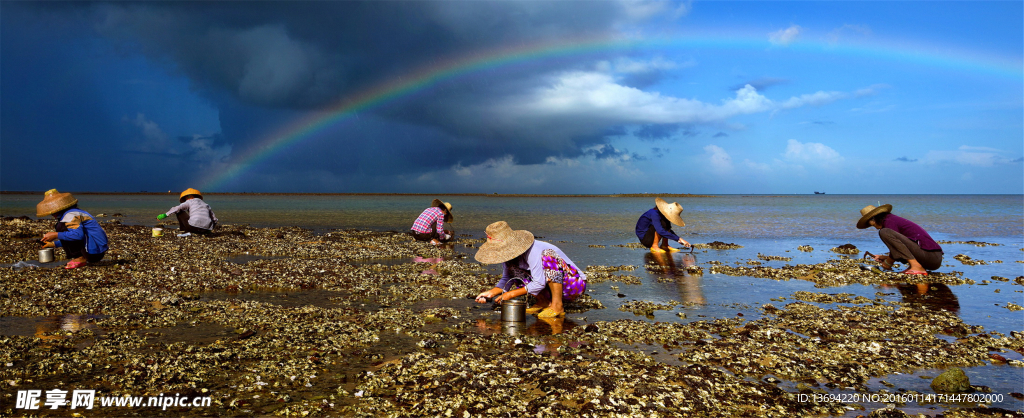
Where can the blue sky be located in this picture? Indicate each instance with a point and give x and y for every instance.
(633, 96)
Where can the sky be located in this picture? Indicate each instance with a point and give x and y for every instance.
(562, 97)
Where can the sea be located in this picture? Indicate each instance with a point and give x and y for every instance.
(592, 230)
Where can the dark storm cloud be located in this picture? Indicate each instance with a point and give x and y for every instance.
(286, 55)
(654, 132)
(906, 159)
(262, 65)
(308, 54)
(608, 152)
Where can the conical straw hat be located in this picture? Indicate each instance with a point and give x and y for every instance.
(189, 191)
(670, 210)
(53, 202)
(437, 203)
(503, 243)
(869, 212)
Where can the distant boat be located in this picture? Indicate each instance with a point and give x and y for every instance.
(819, 192)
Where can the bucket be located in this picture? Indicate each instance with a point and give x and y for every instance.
(46, 255)
(513, 328)
(513, 310)
(158, 232)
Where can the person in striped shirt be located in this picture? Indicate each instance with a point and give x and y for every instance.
(429, 226)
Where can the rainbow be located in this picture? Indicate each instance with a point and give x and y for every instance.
(425, 77)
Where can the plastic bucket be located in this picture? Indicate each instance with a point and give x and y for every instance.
(158, 232)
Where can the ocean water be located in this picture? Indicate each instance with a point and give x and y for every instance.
(589, 228)
(953, 217)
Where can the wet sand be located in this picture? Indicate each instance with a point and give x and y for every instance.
(355, 323)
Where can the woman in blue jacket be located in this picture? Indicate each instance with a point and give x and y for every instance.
(82, 238)
(653, 226)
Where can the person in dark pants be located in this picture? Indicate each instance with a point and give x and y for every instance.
(907, 241)
(653, 226)
(194, 215)
(429, 226)
(83, 239)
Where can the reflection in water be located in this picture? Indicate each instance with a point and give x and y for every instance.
(542, 326)
(935, 296)
(673, 266)
(73, 323)
(432, 261)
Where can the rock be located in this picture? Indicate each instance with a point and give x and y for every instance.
(952, 380)
(888, 413)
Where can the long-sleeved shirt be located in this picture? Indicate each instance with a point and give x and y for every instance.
(82, 227)
(530, 268)
(912, 231)
(426, 219)
(660, 223)
(200, 215)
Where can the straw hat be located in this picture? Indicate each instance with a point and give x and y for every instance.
(503, 243)
(869, 212)
(437, 203)
(189, 191)
(53, 202)
(671, 211)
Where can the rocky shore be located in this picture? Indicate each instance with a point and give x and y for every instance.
(282, 321)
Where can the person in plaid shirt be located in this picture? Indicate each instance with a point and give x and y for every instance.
(429, 226)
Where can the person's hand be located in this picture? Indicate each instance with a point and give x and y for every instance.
(482, 297)
(684, 243)
(161, 216)
(49, 236)
(48, 245)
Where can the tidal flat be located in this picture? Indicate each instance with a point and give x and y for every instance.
(291, 322)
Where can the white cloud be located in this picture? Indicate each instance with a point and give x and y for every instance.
(814, 99)
(597, 95)
(813, 153)
(870, 90)
(784, 36)
(757, 166)
(578, 103)
(720, 160)
(583, 174)
(969, 155)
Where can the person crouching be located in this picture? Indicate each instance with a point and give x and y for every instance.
(547, 272)
(429, 226)
(83, 239)
(194, 215)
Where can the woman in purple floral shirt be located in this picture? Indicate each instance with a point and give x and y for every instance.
(546, 271)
